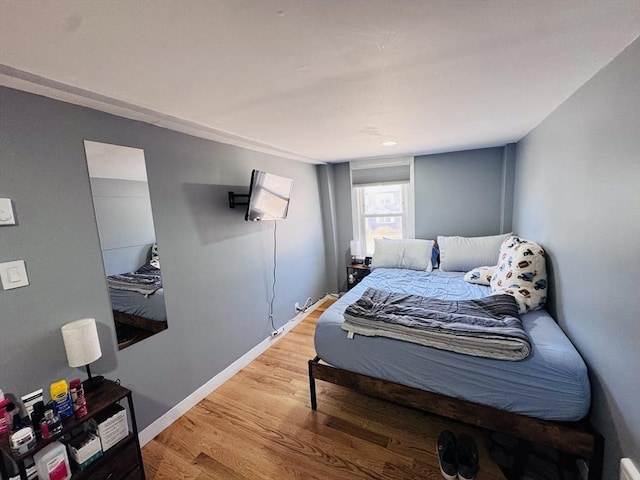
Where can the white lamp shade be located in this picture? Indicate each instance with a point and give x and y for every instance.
(81, 342)
(355, 248)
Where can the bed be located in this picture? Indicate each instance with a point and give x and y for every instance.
(137, 299)
(543, 398)
(140, 311)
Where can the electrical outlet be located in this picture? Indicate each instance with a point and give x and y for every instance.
(277, 332)
(297, 306)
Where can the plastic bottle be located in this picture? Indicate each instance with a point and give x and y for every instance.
(77, 398)
(52, 462)
(3, 409)
(12, 417)
(60, 395)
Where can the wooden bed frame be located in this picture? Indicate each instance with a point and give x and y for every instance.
(131, 320)
(577, 438)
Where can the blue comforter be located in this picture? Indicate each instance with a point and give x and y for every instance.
(551, 383)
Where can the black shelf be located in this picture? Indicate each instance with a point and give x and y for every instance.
(355, 273)
(108, 394)
(109, 455)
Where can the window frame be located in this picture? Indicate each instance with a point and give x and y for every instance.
(358, 217)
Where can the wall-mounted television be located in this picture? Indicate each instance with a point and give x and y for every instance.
(269, 196)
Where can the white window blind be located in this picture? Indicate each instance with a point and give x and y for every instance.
(381, 175)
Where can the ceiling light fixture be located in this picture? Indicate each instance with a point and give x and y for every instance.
(389, 143)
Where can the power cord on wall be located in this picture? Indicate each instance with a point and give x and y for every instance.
(307, 304)
(273, 287)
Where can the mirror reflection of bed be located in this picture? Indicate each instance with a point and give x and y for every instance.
(137, 300)
(127, 237)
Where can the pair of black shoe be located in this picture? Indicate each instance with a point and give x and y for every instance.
(458, 456)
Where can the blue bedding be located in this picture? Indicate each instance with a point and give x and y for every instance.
(151, 307)
(550, 384)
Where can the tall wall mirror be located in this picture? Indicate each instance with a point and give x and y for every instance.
(122, 205)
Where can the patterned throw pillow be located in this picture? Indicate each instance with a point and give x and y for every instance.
(480, 275)
(522, 273)
(155, 258)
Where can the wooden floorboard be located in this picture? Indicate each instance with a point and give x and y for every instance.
(259, 425)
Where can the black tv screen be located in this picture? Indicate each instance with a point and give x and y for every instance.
(269, 196)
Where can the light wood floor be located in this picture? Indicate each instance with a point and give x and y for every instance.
(259, 425)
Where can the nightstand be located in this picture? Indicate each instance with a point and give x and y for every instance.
(355, 273)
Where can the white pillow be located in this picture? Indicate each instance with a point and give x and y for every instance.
(480, 275)
(406, 253)
(461, 254)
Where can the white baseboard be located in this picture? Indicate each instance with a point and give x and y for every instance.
(155, 428)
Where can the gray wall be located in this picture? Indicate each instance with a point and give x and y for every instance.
(326, 182)
(459, 193)
(342, 180)
(217, 268)
(465, 193)
(125, 223)
(578, 194)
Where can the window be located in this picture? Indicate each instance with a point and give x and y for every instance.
(382, 200)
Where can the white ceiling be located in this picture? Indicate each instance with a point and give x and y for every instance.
(317, 80)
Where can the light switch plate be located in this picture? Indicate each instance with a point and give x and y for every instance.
(6, 212)
(13, 274)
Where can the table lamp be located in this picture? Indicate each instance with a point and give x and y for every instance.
(355, 250)
(83, 347)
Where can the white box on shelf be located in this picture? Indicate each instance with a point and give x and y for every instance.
(112, 426)
(85, 449)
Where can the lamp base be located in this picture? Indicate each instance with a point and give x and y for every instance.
(93, 383)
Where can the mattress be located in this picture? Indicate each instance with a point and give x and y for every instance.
(551, 383)
(151, 307)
